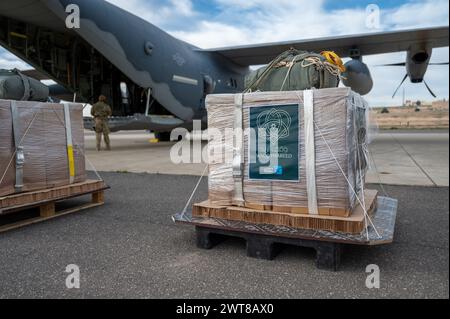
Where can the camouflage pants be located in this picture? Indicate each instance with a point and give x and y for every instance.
(101, 128)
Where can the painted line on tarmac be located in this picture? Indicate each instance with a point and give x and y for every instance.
(415, 162)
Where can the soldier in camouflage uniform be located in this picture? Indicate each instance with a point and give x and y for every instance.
(101, 112)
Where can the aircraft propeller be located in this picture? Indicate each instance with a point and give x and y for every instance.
(401, 83)
(429, 90)
(404, 64)
(406, 76)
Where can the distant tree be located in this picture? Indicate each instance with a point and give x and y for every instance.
(385, 110)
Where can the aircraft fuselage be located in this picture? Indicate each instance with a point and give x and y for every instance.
(121, 56)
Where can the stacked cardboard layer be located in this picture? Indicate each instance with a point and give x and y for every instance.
(339, 137)
(41, 132)
(354, 224)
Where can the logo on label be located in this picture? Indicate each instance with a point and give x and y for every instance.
(275, 119)
(274, 142)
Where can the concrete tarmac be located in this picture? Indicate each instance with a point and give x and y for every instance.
(130, 248)
(397, 157)
(410, 158)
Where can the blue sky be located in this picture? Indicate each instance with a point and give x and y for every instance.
(211, 7)
(217, 23)
(343, 4)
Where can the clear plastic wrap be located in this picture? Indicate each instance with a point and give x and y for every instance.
(42, 131)
(340, 138)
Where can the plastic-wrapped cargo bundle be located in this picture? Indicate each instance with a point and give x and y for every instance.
(41, 146)
(321, 150)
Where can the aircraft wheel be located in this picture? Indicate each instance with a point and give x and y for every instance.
(163, 136)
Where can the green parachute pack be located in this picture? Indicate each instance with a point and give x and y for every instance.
(294, 70)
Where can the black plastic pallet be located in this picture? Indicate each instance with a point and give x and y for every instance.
(267, 247)
(263, 240)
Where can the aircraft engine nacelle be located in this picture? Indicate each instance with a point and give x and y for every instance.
(357, 77)
(417, 62)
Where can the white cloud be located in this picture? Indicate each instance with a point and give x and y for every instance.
(9, 61)
(260, 21)
(183, 7)
(418, 14)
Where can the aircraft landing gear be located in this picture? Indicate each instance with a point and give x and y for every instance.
(165, 137)
(162, 136)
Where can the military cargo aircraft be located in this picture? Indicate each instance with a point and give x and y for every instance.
(156, 82)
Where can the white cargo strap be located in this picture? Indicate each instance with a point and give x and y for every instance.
(69, 141)
(20, 156)
(310, 152)
(238, 193)
(26, 86)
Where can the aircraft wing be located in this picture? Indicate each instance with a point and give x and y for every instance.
(367, 44)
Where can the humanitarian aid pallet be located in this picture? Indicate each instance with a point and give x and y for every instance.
(263, 240)
(46, 203)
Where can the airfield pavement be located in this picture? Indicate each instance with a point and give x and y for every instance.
(398, 157)
(130, 248)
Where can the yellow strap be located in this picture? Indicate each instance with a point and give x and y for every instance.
(71, 158)
(334, 59)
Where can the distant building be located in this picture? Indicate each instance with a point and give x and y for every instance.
(440, 105)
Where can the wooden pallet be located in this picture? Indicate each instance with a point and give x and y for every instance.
(323, 211)
(45, 201)
(354, 224)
